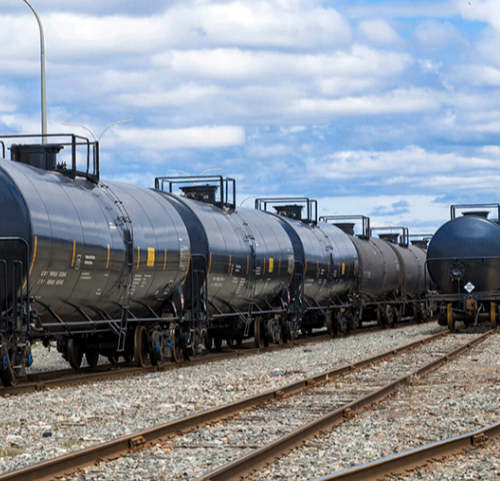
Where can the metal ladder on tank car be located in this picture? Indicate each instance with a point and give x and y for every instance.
(124, 224)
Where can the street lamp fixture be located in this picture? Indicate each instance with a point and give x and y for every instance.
(42, 61)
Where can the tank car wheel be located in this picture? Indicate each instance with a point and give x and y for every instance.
(259, 333)
(417, 317)
(74, 353)
(188, 346)
(92, 358)
(397, 316)
(209, 341)
(331, 325)
(141, 348)
(343, 321)
(380, 317)
(389, 316)
(218, 342)
(493, 315)
(176, 348)
(238, 340)
(450, 318)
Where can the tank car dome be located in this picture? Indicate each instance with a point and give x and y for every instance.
(464, 255)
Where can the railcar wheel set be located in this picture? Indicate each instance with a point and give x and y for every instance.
(119, 270)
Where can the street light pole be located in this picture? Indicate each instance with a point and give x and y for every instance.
(42, 61)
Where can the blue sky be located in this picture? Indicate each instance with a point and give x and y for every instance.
(387, 109)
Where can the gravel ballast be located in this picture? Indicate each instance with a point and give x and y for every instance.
(43, 425)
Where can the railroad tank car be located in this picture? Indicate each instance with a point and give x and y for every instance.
(107, 268)
(463, 259)
(326, 261)
(391, 281)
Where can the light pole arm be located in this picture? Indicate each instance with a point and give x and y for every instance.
(42, 61)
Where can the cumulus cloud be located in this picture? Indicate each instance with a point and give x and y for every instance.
(398, 101)
(185, 94)
(412, 161)
(378, 31)
(205, 137)
(437, 34)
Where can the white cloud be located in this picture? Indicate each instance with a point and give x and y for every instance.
(487, 11)
(236, 64)
(437, 34)
(263, 151)
(185, 94)
(190, 138)
(405, 165)
(378, 31)
(399, 101)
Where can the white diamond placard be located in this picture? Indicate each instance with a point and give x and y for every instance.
(469, 287)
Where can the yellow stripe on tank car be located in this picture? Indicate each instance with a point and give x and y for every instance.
(264, 270)
(229, 269)
(138, 257)
(329, 265)
(209, 265)
(305, 269)
(279, 266)
(165, 261)
(74, 254)
(271, 265)
(34, 254)
(248, 265)
(32, 261)
(343, 269)
(107, 260)
(317, 269)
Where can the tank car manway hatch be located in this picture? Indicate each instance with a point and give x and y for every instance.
(463, 259)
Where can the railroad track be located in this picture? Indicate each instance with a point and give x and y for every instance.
(41, 381)
(322, 403)
(401, 462)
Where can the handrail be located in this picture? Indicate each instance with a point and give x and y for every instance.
(365, 221)
(310, 204)
(454, 208)
(225, 185)
(73, 142)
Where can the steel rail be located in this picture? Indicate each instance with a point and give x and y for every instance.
(267, 454)
(401, 462)
(71, 377)
(120, 446)
(41, 381)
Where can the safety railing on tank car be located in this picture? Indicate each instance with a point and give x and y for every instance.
(365, 222)
(404, 236)
(226, 186)
(294, 211)
(20, 289)
(92, 156)
(453, 208)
